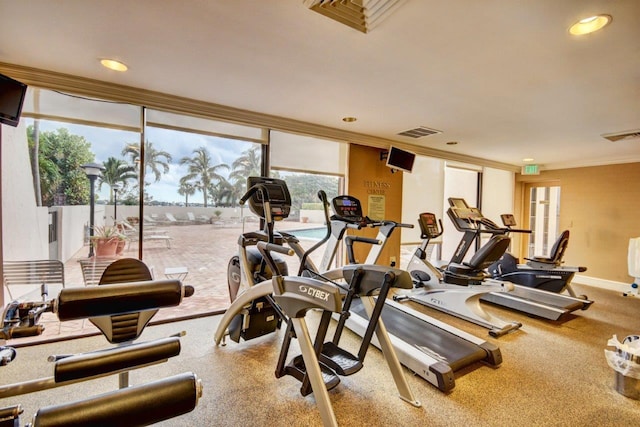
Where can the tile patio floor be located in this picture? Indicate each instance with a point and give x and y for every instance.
(204, 249)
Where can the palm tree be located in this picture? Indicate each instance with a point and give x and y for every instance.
(186, 189)
(153, 159)
(248, 164)
(116, 171)
(35, 157)
(201, 170)
(46, 174)
(230, 193)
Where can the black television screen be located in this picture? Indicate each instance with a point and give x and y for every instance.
(12, 94)
(400, 159)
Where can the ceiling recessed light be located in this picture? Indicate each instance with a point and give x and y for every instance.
(528, 159)
(590, 25)
(349, 119)
(112, 64)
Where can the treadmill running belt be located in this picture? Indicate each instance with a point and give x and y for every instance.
(438, 343)
(546, 305)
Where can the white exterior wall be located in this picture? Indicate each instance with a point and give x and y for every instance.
(25, 232)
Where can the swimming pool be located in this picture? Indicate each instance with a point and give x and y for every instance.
(309, 233)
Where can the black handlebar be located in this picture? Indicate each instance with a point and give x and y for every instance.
(247, 195)
(272, 247)
(397, 224)
(349, 240)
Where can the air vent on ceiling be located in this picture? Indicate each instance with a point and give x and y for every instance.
(620, 136)
(363, 15)
(419, 132)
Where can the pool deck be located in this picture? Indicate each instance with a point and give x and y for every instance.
(203, 250)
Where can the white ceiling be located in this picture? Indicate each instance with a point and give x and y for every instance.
(502, 78)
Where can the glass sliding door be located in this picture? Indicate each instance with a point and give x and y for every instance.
(189, 220)
(64, 134)
(195, 173)
(544, 219)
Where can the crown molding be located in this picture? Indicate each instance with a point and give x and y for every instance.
(176, 104)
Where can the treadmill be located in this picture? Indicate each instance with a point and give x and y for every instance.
(533, 301)
(432, 349)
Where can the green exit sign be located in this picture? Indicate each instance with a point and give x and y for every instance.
(530, 170)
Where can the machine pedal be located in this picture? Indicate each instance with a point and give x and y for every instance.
(297, 369)
(339, 360)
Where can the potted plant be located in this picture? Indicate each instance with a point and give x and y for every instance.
(122, 243)
(105, 240)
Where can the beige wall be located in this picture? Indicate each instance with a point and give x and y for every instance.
(599, 205)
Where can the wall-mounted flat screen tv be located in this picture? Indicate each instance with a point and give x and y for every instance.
(12, 94)
(400, 159)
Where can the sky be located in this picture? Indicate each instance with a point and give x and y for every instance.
(107, 143)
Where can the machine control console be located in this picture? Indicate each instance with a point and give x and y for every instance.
(508, 220)
(429, 226)
(348, 208)
(276, 191)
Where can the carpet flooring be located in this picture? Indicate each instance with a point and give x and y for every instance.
(553, 374)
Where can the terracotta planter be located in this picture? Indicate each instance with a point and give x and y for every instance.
(120, 247)
(105, 247)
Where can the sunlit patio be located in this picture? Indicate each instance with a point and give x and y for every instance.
(201, 250)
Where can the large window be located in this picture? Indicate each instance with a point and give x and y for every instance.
(308, 165)
(187, 226)
(195, 173)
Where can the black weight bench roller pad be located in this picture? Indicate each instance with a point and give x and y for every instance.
(106, 300)
(115, 359)
(134, 406)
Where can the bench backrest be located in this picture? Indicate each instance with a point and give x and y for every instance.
(33, 272)
(92, 269)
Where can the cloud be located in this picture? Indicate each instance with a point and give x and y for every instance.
(107, 143)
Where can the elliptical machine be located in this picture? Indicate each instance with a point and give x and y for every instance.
(270, 200)
(290, 297)
(430, 348)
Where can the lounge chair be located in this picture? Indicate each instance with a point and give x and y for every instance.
(132, 234)
(151, 222)
(129, 230)
(172, 219)
(202, 219)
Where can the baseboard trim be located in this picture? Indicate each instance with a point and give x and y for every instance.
(601, 283)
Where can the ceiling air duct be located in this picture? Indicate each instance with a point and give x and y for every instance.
(363, 15)
(623, 136)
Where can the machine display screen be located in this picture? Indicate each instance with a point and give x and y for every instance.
(276, 191)
(347, 206)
